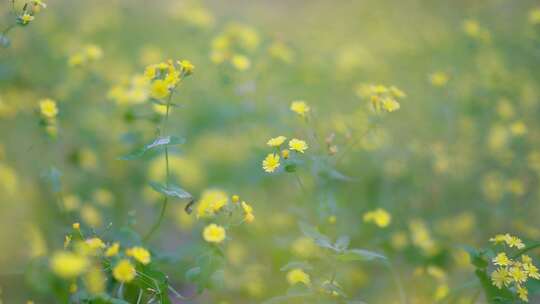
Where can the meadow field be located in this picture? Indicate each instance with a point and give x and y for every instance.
(235, 152)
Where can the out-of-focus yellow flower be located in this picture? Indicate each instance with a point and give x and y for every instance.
(48, 108)
(534, 16)
(241, 62)
(276, 141)
(518, 128)
(297, 275)
(300, 107)
(94, 281)
(271, 162)
(186, 66)
(91, 216)
(439, 79)
(68, 265)
(214, 233)
(248, 212)
(281, 51)
(304, 247)
(103, 197)
(139, 254)
(95, 244)
(159, 89)
(124, 271)
(298, 145)
(112, 250)
(211, 202)
(379, 217)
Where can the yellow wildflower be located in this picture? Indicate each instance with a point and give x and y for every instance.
(500, 278)
(438, 79)
(300, 107)
(298, 145)
(271, 162)
(501, 259)
(26, 18)
(159, 89)
(124, 271)
(276, 141)
(140, 254)
(48, 108)
(297, 275)
(68, 265)
(112, 250)
(241, 62)
(214, 233)
(379, 217)
(186, 66)
(211, 202)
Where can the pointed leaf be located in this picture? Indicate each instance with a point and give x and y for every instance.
(359, 255)
(158, 142)
(171, 190)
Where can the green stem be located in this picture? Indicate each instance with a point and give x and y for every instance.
(157, 224)
(524, 250)
(397, 282)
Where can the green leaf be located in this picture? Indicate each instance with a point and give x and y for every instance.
(171, 190)
(359, 255)
(291, 168)
(342, 243)
(319, 238)
(158, 142)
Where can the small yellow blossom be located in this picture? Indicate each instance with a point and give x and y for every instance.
(68, 265)
(26, 18)
(501, 259)
(523, 293)
(214, 233)
(112, 250)
(271, 162)
(95, 243)
(500, 278)
(300, 107)
(438, 79)
(186, 66)
(159, 89)
(48, 108)
(379, 217)
(285, 153)
(534, 16)
(235, 198)
(241, 62)
(276, 141)
(124, 271)
(76, 226)
(140, 254)
(297, 275)
(298, 145)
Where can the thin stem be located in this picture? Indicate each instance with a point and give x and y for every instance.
(157, 224)
(528, 248)
(140, 296)
(300, 182)
(397, 281)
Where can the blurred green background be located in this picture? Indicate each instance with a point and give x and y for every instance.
(458, 163)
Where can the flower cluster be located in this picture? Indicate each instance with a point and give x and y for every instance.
(89, 261)
(233, 44)
(87, 54)
(379, 217)
(272, 161)
(382, 98)
(514, 271)
(216, 202)
(30, 9)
